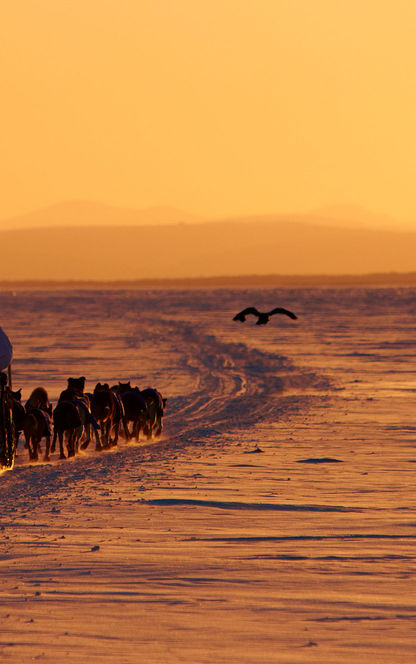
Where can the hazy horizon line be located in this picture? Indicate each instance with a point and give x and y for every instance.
(378, 279)
(338, 211)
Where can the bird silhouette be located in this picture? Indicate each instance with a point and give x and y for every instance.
(262, 317)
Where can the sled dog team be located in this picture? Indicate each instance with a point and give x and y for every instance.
(80, 416)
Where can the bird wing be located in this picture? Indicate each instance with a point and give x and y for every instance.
(279, 310)
(242, 314)
(249, 310)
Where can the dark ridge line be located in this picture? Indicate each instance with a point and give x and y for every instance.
(299, 538)
(400, 616)
(320, 460)
(368, 559)
(351, 618)
(248, 506)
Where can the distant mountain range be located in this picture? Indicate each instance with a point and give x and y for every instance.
(262, 245)
(88, 213)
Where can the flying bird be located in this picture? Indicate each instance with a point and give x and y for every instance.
(263, 317)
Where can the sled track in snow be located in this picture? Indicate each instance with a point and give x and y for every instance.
(228, 387)
(235, 386)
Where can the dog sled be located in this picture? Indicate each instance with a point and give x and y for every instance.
(7, 437)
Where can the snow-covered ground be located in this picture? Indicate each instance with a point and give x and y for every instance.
(275, 519)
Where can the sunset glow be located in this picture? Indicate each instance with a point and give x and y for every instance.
(218, 108)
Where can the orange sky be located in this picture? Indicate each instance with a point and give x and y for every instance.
(214, 106)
